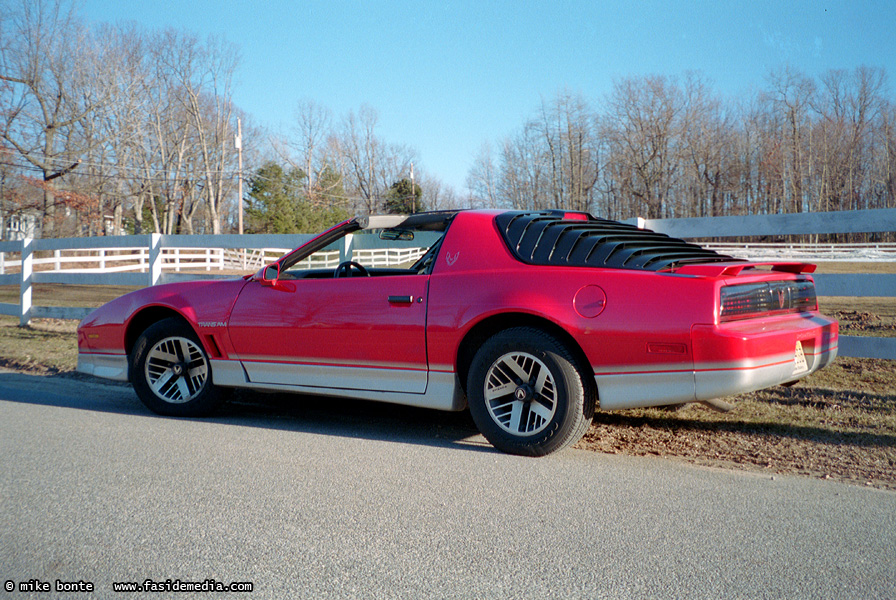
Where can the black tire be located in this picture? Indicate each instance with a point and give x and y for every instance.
(527, 394)
(171, 372)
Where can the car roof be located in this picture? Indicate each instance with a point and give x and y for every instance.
(579, 239)
(424, 221)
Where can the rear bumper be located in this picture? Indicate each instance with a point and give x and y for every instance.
(728, 359)
(107, 366)
(744, 356)
(741, 378)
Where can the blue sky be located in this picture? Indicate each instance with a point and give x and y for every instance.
(448, 76)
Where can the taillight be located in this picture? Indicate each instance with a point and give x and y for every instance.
(767, 298)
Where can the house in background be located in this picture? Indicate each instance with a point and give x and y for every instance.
(19, 225)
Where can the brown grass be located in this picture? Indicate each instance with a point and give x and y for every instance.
(839, 423)
(57, 294)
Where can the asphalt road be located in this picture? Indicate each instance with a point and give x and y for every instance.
(311, 498)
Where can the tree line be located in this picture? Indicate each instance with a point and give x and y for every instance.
(666, 147)
(113, 122)
(118, 129)
(107, 129)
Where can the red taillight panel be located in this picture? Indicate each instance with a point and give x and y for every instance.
(748, 300)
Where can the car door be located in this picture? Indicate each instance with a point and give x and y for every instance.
(359, 333)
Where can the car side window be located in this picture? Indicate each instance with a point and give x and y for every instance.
(372, 253)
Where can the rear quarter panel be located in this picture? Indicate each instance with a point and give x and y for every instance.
(645, 323)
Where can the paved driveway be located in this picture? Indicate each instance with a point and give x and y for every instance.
(324, 498)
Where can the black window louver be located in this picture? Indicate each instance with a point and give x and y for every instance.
(546, 238)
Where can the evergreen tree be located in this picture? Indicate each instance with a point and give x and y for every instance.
(276, 203)
(273, 195)
(402, 199)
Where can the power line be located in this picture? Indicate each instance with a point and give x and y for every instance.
(162, 179)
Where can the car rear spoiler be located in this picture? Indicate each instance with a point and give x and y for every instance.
(735, 268)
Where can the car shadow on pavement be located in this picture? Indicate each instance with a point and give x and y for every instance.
(353, 418)
(323, 415)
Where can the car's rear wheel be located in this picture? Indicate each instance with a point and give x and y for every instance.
(527, 394)
(171, 372)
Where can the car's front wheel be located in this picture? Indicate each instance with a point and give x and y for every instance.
(527, 395)
(171, 373)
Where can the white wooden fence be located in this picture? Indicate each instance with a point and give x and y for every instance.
(151, 259)
(136, 260)
(146, 260)
(816, 253)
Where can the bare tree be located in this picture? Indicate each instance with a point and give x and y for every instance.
(570, 150)
(204, 75)
(368, 164)
(524, 174)
(312, 128)
(48, 62)
(849, 104)
(641, 128)
(707, 144)
(357, 148)
(885, 171)
(436, 194)
(116, 129)
(791, 95)
(482, 180)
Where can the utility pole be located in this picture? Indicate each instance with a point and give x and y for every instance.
(239, 147)
(239, 175)
(413, 191)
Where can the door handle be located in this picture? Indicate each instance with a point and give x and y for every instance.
(401, 299)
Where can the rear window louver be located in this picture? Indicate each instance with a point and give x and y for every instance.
(545, 238)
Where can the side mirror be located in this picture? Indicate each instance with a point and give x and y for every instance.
(270, 274)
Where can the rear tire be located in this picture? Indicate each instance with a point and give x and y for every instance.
(171, 372)
(527, 394)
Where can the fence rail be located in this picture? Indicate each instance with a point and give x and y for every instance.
(883, 252)
(145, 260)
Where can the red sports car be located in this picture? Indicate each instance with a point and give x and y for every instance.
(532, 319)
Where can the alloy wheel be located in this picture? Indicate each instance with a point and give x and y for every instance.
(176, 369)
(520, 393)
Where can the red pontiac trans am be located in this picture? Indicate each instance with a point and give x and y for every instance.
(532, 319)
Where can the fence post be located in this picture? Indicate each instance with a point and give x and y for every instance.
(155, 258)
(103, 258)
(56, 255)
(345, 250)
(2, 263)
(27, 277)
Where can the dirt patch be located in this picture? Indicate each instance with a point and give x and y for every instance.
(854, 322)
(862, 316)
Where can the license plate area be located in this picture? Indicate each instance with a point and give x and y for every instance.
(800, 365)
